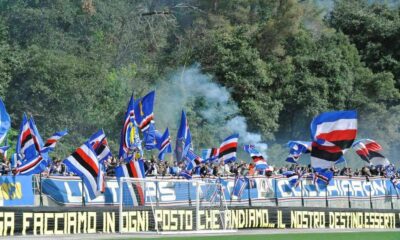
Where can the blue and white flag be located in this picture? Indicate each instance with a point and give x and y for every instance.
(32, 166)
(130, 141)
(390, 171)
(149, 137)
(5, 121)
(26, 147)
(210, 155)
(258, 159)
(192, 160)
(134, 192)
(83, 162)
(39, 143)
(164, 145)
(144, 111)
(296, 149)
(396, 183)
(183, 139)
(185, 174)
(96, 138)
(52, 141)
(322, 177)
(294, 177)
(332, 133)
(239, 187)
(99, 144)
(228, 149)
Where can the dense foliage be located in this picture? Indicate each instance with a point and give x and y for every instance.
(73, 64)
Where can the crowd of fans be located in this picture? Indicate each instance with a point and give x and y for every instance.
(154, 167)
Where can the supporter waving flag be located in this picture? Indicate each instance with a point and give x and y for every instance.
(164, 145)
(52, 141)
(83, 162)
(150, 140)
(32, 166)
(370, 151)
(294, 177)
(332, 133)
(144, 111)
(396, 183)
(183, 139)
(132, 169)
(129, 134)
(5, 121)
(322, 177)
(192, 160)
(258, 159)
(239, 187)
(228, 149)
(26, 147)
(210, 155)
(99, 144)
(32, 160)
(186, 174)
(96, 138)
(296, 149)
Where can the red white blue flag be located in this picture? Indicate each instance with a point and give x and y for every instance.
(296, 149)
(332, 132)
(210, 155)
(52, 141)
(135, 190)
(258, 159)
(129, 134)
(370, 151)
(228, 149)
(144, 111)
(83, 162)
(183, 138)
(164, 145)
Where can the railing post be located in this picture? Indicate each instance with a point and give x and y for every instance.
(248, 191)
(370, 194)
(197, 205)
(188, 191)
(83, 193)
(40, 190)
(276, 191)
(391, 199)
(157, 194)
(348, 193)
(326, 195)
(120, 205)
(301, 191)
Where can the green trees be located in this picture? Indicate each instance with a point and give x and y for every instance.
(73, 64)
(374, 29)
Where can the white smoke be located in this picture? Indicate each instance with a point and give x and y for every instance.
(187, 84)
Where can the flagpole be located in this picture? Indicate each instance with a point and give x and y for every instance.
(233, 189)
(220, 194)
(326, 196)
(83, 193)
(301, 191)
(157, 194)
(348, 193)
(40, 190)
(188, 189)
(276, 192)
(248, 191)
(370, 194)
